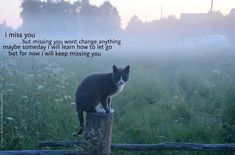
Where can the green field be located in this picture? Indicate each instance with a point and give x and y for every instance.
(169, 97)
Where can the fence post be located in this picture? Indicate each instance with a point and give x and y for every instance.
(98, 133)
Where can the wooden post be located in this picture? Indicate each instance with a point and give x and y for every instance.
(98, 133)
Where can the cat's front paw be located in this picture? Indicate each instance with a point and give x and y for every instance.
(111, 110)
(107, 111)
(100, 110)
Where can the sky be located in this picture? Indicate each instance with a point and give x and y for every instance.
(146, 10)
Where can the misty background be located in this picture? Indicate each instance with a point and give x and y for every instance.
(181, 85)
(78, 19)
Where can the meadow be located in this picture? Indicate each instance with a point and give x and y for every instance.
(170, 96)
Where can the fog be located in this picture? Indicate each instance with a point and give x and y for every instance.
(63, 20)
(197, 37)
(193, 37)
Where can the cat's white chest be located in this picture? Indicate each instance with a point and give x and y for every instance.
(119, 89)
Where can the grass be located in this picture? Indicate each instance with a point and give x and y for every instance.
(166, 99)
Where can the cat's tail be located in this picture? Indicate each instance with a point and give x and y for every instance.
(81, 120)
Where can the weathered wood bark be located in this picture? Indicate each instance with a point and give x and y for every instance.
(39, 152)
(175, 146)
(230, 147)
(98, 133)
(66, 144)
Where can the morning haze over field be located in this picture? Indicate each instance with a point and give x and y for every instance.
(182, 71)
(147, 11)
(201, 28)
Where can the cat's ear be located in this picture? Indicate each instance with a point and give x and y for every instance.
(115, 69)
(127, 69)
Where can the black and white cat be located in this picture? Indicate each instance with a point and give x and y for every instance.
(99, 88)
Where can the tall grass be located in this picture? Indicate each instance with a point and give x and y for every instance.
(166, 99)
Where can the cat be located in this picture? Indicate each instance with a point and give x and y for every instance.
(99, 88)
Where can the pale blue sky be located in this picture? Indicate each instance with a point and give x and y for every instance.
(145, 10)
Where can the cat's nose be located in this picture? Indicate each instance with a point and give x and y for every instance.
(121, 82)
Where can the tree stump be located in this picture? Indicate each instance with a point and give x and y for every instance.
(98, 133)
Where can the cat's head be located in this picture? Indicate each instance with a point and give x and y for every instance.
(120, 75)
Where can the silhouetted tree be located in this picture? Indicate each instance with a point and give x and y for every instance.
(134, 24)
(64, 17)
(110, 16)
(44, 16)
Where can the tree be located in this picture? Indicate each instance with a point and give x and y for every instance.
(134, 24)
(63, 17)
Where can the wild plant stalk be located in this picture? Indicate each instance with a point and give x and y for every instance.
(1, 101)
(1, 118)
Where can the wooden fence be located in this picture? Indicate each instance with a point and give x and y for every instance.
(149, 147)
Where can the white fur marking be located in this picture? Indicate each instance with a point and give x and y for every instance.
(120, 88)
(120, 85)
(121, 81)
(100, 110)
(111, 110)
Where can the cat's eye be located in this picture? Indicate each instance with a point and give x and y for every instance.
(124, 77)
